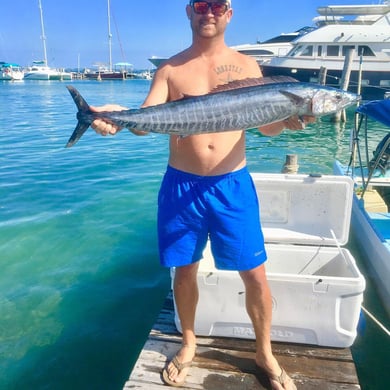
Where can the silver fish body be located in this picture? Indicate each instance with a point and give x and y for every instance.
(226, 110)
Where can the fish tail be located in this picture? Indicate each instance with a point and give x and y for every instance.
(82, 124)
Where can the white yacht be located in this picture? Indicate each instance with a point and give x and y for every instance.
(277, 46)
(365, 29)
(157, 60)
(11, 72)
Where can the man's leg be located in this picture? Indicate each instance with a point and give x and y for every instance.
(259, 307)
(185, 288)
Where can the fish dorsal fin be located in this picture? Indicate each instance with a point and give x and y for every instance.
(251, 82)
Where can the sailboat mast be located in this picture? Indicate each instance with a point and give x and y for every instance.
(43, 36)
(109, 36)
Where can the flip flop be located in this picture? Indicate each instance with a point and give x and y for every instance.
(179, 366)
(282, 379)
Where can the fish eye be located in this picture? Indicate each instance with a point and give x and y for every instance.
(339, 96)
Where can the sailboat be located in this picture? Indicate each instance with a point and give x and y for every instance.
(40, 69)
(107, 73)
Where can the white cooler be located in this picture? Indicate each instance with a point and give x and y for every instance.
(316, 287)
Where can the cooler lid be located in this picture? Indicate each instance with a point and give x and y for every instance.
(305, 209)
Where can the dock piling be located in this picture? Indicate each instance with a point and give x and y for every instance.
(341, 116)
(291, 164)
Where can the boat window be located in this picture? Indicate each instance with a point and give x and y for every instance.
(319, 51)
(294, 51)
(365, 51)
(307, 51)
(332, 51)
(346, 48)
(254, 52)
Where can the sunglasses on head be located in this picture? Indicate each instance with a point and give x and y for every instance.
(202, 7)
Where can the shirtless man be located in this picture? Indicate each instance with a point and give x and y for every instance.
(214, 164)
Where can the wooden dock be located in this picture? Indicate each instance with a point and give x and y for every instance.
(228, 364)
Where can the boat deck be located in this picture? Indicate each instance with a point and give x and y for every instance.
(226, 363)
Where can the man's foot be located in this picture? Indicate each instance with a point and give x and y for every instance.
(283, 381)
(277, 382)
(174, 374)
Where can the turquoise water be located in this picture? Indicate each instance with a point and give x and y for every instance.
(80, 282)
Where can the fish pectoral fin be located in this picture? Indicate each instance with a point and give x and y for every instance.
(296, 99)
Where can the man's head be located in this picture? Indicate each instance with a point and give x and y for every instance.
(209, 18)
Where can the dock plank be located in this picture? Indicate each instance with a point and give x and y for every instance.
(229, 363)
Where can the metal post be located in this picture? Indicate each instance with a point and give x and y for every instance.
(109, 36)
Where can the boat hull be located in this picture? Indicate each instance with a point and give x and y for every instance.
(372, 244)
(48, 76)
(374, 249)
(106, 76)
(11, 76)
(157, 61)
(61, 76)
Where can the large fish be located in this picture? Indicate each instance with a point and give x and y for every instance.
(242, 104)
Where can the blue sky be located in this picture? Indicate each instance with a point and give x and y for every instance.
(76, 30)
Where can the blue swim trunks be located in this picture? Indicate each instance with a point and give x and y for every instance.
(223, 208)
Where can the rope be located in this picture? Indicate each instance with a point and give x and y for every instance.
(376, 321)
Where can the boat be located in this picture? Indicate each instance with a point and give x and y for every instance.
(361, 31)
(40, 70)
(9, 71)
(142, 74)
(108, 72)
(157, 60)
(370, 221)
(277, 46)
(103, 72)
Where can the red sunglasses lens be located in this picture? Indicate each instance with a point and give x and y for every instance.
(218, 8)
(202, 7)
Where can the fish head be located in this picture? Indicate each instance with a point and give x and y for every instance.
(330, 100)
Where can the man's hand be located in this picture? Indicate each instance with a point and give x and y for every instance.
(298, 122)
(101, 126)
